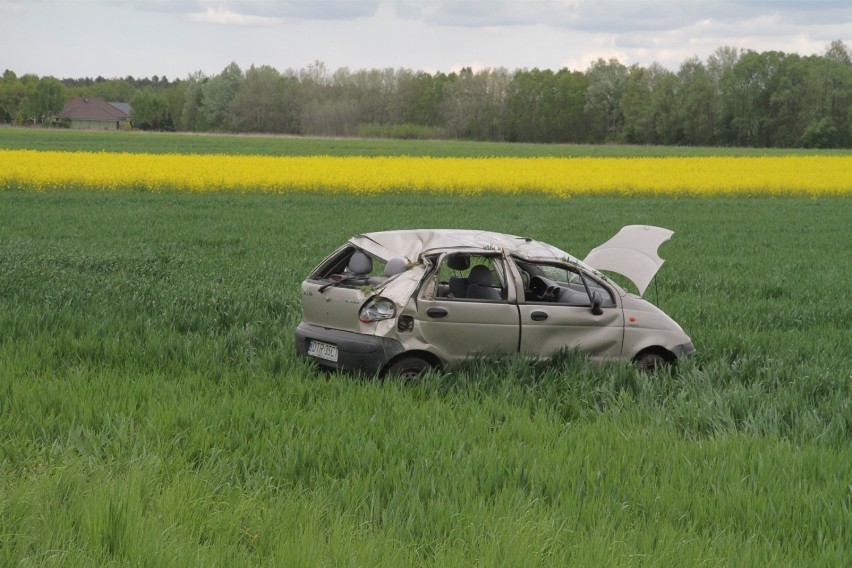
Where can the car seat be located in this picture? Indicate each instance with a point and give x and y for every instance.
(359, 264)
(393, 267)
(480, 284)
(458, 284)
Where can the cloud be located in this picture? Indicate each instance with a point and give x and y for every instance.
(262, 13)
(613, 16)
(430, 35)
(484, 13)
(224, 16)
(13, 7)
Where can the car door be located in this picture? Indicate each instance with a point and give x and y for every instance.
(568, 320)
(473, 318)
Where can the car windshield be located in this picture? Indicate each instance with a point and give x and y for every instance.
(560, 274)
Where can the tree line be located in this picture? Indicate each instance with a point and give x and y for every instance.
(733, 98)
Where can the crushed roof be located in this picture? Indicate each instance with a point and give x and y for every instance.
(411, 243)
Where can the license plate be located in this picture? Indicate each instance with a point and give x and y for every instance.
(322, 350)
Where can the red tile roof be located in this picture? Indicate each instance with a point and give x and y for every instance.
(91, 108)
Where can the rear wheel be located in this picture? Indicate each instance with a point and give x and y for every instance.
(649, 362)
(409, 368)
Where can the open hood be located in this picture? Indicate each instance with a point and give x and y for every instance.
(632, 252)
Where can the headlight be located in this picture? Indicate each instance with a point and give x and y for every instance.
(377, 309)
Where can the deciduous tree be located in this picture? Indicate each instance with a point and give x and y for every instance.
(150, 110)
(607, 81)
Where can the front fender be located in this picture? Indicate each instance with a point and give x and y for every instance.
(637, 340)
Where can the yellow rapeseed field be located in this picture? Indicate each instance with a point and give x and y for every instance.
(790, 175)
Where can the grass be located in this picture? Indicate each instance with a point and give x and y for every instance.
(184, 143)
(152, 410)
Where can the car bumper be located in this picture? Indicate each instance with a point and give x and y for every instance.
(684, 350)
(355, 351)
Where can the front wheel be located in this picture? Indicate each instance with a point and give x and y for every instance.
(409, 368)
(649, 362)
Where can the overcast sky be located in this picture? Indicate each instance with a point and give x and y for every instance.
(173, 38)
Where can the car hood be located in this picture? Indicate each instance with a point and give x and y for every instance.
(632, 252)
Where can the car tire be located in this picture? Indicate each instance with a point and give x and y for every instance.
(409, 369)
(650, 362)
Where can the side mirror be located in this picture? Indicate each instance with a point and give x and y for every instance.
(596, 303)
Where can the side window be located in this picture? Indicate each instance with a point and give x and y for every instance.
(560, 284)
(607, 300)
(471, 277)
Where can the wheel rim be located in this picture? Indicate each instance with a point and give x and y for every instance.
(650, 363)
(411, 373)
(410, 369)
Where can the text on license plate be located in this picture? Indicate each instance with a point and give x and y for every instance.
(322, 350)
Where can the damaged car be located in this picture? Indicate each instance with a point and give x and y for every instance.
(408, 301)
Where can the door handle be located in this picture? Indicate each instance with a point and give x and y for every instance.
(538, 316)
(436, 312)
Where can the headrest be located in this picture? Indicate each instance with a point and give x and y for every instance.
(394, 266)
(480, 275)
(360, 263)
(459, 262)
(458, 286)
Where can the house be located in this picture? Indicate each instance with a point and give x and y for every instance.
(92, 113)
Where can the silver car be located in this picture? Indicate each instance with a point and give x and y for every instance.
(404, 302)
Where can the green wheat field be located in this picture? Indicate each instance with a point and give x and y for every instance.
(153, 412)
